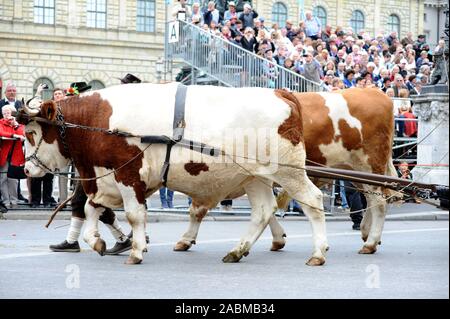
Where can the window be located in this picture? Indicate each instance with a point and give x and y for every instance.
(145, 16)
(96, 13)
(279, 14)
(357, 21)
(47, 94)
(394, 24)
(96, 85)
(44, 11)
(321, 14)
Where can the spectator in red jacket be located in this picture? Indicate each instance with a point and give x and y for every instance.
(14, 134)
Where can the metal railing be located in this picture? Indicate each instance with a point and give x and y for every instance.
(403, 143)
(232, 65)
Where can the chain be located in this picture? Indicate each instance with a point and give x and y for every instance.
(101, 130)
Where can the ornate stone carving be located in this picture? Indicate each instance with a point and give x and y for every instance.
(436, 110)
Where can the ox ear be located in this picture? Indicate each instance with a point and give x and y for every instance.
(48, 110)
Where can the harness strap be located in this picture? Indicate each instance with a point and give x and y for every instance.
(178, 129)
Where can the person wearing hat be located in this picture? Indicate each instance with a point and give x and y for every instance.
(231, 12)
(130, 78)
(418, 44)
(77, 88)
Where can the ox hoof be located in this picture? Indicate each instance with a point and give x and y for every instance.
(232, 257)
(367, 250)
(182, 246)
(133, 260)
(100, 246)
(315, 261)
(277, 246)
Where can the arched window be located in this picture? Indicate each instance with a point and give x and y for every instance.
(279, 14)
(96, 13)
(357, 21)
(394, 23)
(96, 85)
(44, 11)
(320, 13)
(47, 94)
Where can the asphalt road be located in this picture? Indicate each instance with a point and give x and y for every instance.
(413, 262)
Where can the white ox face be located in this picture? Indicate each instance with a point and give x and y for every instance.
(47, 153)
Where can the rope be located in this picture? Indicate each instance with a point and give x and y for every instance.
(114, 170)
(417, 144)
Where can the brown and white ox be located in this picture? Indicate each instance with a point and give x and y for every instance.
(273, 117)
(352, 130)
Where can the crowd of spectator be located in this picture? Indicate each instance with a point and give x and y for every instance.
(333, 57)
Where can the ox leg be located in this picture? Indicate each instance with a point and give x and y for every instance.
(110, 220)
(91, 235)
(377, 208)
(300, 187)
(278, 234)
(137, 218)
(366, 223)
(264, 206)
(196, 214)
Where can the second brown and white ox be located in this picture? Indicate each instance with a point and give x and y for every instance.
(352, 129)
(272, 120)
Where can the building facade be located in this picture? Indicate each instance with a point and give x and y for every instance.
(63, 41)
(372, 16)
(98, 41)
(434, 20)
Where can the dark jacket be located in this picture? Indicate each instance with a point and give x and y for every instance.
(248, 45)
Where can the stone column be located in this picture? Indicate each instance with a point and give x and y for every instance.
(432, 110)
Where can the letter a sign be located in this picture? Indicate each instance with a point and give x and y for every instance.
(174, 31)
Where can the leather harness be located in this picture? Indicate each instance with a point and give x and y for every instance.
(179, 124)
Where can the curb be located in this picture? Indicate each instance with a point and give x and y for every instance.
(156, 217)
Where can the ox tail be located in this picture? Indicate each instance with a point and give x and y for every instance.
(394, 196)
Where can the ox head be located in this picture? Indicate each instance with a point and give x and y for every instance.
(43, 149)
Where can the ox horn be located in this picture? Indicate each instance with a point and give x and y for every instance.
(33, 106)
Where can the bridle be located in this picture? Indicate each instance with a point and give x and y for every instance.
(33, 157)
(62, 128)
(62, 134)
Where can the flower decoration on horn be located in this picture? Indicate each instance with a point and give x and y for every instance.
(73, 90)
